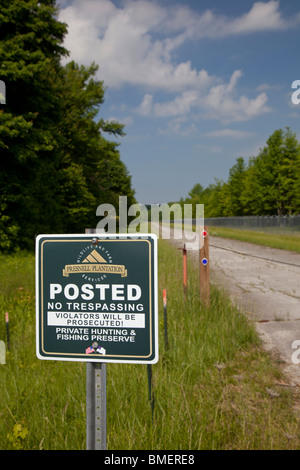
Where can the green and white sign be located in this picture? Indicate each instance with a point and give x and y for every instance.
(96, 298)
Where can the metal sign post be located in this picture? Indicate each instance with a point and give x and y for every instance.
(95, 406)
(95, 401)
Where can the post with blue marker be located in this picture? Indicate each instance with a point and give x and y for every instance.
(204, 267)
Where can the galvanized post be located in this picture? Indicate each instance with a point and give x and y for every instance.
(95, 402)
(100, 406)
(90, 406)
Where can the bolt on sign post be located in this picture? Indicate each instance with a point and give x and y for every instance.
(204, 267)
(96, 300)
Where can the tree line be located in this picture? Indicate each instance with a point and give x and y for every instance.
(268, 184)
(59, 160)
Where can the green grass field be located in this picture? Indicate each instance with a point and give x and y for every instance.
(214, 388)
(281, 239)
(284, 241)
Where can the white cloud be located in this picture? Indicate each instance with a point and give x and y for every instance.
(263, 87)
(181, 105)
(220, 102)
(262, 17)
(123, 43)
(145, 108)
(124, 40)
(179, 126)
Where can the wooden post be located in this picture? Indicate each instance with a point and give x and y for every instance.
(204, 267)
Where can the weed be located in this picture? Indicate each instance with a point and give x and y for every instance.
(214, 387)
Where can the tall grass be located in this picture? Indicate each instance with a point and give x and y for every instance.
(284, 241)
(211, 387)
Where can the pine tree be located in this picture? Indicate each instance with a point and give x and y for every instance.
(56, 165)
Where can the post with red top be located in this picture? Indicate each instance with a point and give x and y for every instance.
(204, 267)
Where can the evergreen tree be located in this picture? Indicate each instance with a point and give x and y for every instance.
(56, 166)
(271, 182)
(214, 200)
(233, 203)
(268, 185)
(290, 174)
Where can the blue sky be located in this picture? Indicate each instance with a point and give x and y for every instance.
(197, 83)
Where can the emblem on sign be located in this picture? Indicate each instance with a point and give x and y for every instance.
(95, 348)
(94, 263)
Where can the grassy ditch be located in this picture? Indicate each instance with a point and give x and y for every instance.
(214, 387)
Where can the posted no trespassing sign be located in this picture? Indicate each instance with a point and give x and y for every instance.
(96, 300)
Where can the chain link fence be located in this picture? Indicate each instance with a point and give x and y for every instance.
(261, 223)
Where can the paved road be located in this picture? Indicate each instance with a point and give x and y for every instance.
(265, 283)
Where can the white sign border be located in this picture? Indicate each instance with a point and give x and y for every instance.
(100, 236)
